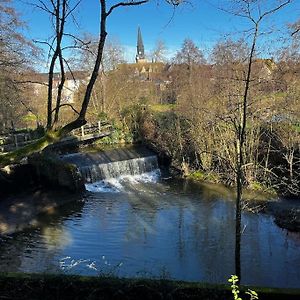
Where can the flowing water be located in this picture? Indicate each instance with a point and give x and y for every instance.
(132, 222)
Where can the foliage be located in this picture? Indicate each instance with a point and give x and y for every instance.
(113, 138)
(202, 176)
(257, 186)
(235, 289)
(162, 107)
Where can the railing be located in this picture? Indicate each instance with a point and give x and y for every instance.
(14, 140)
(92, 128)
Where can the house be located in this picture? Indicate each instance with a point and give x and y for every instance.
(72, 83)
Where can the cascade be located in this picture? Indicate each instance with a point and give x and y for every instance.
(103, 171)
(114, 164)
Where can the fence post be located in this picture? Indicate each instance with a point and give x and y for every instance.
(16, 141)
(99, 126)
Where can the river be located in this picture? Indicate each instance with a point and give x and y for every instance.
(149, 226)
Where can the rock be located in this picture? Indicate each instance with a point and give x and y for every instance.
(56, 172)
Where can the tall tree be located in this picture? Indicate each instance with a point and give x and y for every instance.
(159, 52)
(113, 55)
(51, 136)
(16, 53)
(189, 54)
(255, 12)
(230, 52)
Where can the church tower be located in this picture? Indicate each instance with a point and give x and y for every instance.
(140, 55)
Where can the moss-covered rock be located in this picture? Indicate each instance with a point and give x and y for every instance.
(56, 172)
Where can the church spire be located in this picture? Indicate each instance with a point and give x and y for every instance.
(140, 55)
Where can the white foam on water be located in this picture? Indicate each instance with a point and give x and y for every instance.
(115, 185)
(111, 185)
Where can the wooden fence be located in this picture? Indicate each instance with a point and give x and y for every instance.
(89, 131)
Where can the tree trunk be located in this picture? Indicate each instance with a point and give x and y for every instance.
(59, 31)
(240, 159)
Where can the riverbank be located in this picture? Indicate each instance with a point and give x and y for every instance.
(33, 286)
(22, 210)
(286, 211)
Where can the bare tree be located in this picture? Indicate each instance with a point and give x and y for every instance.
(189, 54)
(295, 27)
(60, 11)
(230, 52)
(16, 54)
(113, 56)
(252, 10)
(52, 136)
(105, 13)
(159, 52)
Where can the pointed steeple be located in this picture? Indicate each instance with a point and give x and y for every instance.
(140, 55)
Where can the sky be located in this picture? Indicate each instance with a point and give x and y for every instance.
(200, 20)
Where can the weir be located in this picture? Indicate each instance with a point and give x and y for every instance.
(136, 166)
(114, 163)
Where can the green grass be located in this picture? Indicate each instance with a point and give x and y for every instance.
(296, 128)
(202, 176)
(162, 107)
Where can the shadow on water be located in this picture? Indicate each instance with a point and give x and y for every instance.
(45, 231)
(21, 211)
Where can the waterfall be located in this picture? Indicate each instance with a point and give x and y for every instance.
(108, 171)
(117, 169)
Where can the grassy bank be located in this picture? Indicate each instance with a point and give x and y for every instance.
(34, 286)
(255, 191)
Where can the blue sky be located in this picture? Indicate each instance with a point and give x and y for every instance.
(201, 21)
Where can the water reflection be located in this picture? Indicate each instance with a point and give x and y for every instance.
(173, 228)
(31, 250)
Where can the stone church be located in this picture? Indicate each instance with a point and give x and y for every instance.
(142, 67)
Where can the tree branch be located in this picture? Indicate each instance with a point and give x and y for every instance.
(271, 11)
(66, 104)
(70, 10)
(70, 70)
(30, 81)
(132, 3)
(44, 43)
(297, 30)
